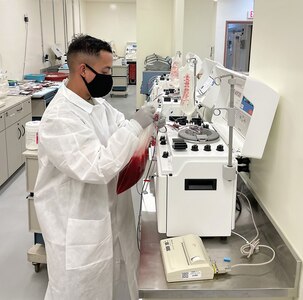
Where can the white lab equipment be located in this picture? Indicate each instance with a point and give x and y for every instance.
(255, 108)
(190, 182)
(170, 102)
(60, 54)
(185, 259)
(197, 171)
(131, 51)
(206, 82)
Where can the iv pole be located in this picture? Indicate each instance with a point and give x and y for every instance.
(229, 170)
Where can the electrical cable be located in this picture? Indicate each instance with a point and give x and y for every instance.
(252, 246)
(26, 36)
(144, 186)
(144, 190)
(238, 204)
(238, 208)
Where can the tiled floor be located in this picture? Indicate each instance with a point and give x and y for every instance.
(18, 280)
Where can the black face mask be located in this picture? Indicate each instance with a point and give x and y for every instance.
(100, 86)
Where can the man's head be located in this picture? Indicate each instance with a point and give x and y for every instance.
(85, 55)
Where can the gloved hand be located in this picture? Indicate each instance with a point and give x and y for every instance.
(161, 120)
(145, 115)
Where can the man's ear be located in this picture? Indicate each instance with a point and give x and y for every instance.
(82, 69)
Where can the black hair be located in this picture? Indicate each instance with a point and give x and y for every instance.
(86, 44)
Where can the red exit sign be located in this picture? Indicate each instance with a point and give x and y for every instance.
(250, 14)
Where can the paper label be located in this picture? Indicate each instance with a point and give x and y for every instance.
(191, 275)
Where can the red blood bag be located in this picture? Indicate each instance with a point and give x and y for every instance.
(134, 169)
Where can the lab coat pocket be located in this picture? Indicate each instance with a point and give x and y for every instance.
(88, 242)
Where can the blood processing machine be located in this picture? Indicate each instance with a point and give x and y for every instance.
(168, 95)
(195, 185)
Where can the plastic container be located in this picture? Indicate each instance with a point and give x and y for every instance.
(55, 76)
(31, 135)
(4, 88)
(36, 77)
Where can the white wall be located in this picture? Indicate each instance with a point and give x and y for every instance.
(154, 34)
(188, 24)
(229, 10)
(275, 59)
(199, 27)
(112, 22)
(12, 32)
(178, 26)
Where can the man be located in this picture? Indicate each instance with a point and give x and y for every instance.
(84, 143)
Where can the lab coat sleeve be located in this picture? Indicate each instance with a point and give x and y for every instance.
(73, 148)
(132, 124)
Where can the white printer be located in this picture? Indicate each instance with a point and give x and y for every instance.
(185, 259)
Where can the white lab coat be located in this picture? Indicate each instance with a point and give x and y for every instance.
(89, 230)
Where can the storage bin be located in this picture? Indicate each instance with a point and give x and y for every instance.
(56, 76)
(36, 77)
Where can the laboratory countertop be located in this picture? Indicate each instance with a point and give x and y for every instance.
(279, 279)
(11, 101)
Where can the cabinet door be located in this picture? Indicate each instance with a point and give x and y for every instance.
(120, 81)
(3, 158)
(22, 128)
(2, 122)
(13, 146)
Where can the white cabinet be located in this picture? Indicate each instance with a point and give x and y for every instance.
(15, 143)
(3, 153)
(14, 158)
(120, 80)
(13, 117)
(3, 158)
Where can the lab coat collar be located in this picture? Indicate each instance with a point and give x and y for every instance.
(77, 100)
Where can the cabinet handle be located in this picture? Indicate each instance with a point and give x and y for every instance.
(19, 109)
(23, 130)
(20, 133)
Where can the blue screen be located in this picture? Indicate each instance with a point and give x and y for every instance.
(247, 106)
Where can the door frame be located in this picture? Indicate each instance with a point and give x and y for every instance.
(226, 34)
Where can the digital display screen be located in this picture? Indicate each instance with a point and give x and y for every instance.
(247, 106)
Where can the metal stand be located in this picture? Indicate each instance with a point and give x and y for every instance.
(229, 170)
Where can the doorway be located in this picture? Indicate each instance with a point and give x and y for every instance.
(238, 36)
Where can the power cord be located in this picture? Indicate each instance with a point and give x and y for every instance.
(143, 189)
(26, 37)
(238, 208)
(252, 246)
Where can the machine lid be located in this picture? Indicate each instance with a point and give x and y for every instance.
(255, 106)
